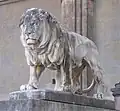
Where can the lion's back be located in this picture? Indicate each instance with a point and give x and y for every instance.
(82, 46)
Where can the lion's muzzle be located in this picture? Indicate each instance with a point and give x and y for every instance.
(31, 41)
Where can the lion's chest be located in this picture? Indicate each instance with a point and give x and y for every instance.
(48, 60)
(43, 59)
(40, 59)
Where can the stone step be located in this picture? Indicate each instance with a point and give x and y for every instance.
(47, 100)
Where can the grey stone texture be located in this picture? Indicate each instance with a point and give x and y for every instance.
(77, 16)
(43, 105)
(4, 105)
(103, 28)
(107, 38)
(13, 67)
(46, 100)
(58, 96)
(116, 94)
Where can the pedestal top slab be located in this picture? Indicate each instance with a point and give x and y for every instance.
(63, 97)
(28, 94)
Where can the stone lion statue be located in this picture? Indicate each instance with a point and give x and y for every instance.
(47, 45)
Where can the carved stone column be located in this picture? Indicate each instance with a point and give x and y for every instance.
(68, 14)
(74, 15)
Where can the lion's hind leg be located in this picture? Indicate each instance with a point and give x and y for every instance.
(97, 75)
(76, 72)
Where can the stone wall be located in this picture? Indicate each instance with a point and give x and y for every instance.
(44, 100)
(13, 68)
(44, 105)
(107, 38)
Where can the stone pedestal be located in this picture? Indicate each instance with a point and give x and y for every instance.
(46, 100)
(116, 94)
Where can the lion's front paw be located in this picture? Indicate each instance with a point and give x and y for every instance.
(66, 88)
(63, 88)
(27, 87)
(79, 92)
(98, 95)
(58, 89)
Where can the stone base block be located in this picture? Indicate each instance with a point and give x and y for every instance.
(46, 100)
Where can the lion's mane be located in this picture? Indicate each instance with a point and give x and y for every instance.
(51, 43)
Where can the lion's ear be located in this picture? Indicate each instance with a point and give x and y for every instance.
(51, 18)
(21, 20)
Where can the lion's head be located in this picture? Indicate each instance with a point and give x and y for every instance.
(36, 25)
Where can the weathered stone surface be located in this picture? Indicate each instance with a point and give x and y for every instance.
(44, 105)
(3, 105)
(116, 94)
(77, 15)
(59, 98)
(107, 38)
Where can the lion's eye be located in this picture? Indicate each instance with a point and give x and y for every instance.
(35, 23)
(32, 23)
